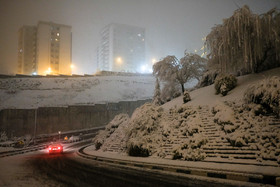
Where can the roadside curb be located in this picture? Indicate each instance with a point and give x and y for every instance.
(229, 175)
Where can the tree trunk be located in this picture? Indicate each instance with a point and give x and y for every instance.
(183, 88)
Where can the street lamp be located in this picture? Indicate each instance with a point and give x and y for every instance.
(35, 125)
(59, 132)
(35, 120)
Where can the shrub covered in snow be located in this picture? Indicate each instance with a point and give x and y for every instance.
(269, 145)
(248, 130)
(186, 97)
(136, 149)
(208, 78)
(236, 140)
(223, 115)
(144, 133)
(99, 139)
(191, 149)
(225, 83)
(266, 94)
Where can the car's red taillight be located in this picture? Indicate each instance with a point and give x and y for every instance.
(58, 147)
(50, 148)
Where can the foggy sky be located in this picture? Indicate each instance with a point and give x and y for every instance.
(171, 25)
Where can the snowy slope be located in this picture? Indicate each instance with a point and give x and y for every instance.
(207, 96)
(61, 91)
(210, 127)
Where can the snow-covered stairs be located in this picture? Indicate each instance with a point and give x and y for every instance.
(218, 147)
(114, 147)
(273, 121)
(176, 140)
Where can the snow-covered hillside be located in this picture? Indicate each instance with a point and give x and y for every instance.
(62, 91)
(210, 127)
(207, 96)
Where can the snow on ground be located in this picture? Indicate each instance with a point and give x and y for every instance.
(187, 131)
(63, 91)
(207, 96)
(16, 171)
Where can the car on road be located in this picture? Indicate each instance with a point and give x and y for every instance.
(55, 148)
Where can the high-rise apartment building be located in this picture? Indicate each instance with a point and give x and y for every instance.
(50, 47)
(26, 50)
(122, 48)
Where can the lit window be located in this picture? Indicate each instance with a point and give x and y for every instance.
(139, 35)
(57, 34)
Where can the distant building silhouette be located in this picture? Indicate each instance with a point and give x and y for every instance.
(122, 48)
(45, 49)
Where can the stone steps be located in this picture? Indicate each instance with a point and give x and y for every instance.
(227, 148)
(233, 156)
(210, 130)
(275, 124)
(232, 152)
(217, 148)
(116, 147)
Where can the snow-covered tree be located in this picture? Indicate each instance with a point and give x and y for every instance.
(181, 71)
(170, 91)
(157, 98)
(245, 42)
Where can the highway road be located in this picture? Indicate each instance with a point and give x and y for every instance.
(68, 169)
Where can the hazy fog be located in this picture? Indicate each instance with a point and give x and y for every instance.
(171, 25)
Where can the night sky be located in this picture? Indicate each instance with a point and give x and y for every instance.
(171, 25)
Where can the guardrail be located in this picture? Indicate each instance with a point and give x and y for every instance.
(87, 134)
(21, 151)
(236, 176)
(83, 133)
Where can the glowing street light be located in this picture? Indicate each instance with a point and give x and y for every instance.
(72, 66)
(119, 60)
(145, 68)
(154, 61)
(49, 71)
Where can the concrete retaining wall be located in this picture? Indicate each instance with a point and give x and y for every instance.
(19, 122)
